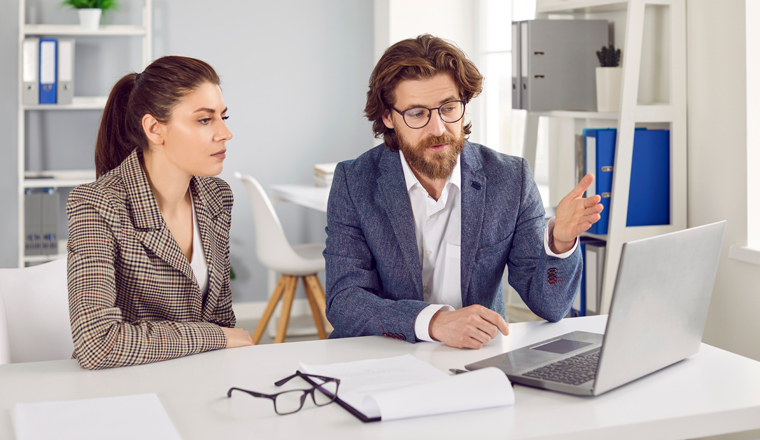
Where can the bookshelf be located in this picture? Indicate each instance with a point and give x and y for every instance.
(69, 178)
(660, 107)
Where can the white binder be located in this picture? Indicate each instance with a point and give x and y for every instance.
(65, 70)
(516, 77)
(30, 94)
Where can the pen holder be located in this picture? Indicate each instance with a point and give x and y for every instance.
(608, 89)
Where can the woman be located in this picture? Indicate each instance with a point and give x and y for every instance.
(148, 249)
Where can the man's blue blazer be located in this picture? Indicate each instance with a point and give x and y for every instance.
(374, 272)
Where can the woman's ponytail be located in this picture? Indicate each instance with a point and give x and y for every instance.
(114, 142)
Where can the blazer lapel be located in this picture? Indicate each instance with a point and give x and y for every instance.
(213, 233)
(473, 210)
(398, 207)
(150, 228)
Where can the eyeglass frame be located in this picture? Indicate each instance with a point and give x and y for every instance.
(430, 113)
(306, 392)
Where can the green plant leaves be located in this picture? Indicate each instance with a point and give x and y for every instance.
(106, 5)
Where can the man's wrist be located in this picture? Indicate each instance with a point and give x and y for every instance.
(422, 322)
(560, 247)
(431, 326)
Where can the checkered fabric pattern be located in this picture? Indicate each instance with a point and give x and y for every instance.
(133, 298)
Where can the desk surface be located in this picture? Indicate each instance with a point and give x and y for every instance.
(711, 392)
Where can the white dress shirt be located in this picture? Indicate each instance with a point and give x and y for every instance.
(438, 228)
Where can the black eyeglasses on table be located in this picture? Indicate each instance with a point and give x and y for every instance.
(323, 392)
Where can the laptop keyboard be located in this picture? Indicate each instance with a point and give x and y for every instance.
(573, 370)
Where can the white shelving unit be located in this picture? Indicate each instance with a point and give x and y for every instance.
(670, 113)
(64, 179)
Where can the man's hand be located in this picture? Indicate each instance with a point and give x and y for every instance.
(469, 327)
(575, 215)
(237, 337)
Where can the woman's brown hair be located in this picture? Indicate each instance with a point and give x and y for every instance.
(156, 91)
(415, 59)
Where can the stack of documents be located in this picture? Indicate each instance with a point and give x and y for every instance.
(405, 387)
(323, 173)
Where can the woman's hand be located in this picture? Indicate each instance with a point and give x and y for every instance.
(237, 337)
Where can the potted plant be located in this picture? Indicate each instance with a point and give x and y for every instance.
(608, 78)
(90, 11)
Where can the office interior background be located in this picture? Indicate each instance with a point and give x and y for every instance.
(294, 76)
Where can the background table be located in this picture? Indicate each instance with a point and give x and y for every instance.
(709, 393)
(311, 196)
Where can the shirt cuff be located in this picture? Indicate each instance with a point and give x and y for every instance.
(548, 236)
(422, 323)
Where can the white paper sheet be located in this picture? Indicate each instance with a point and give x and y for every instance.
(128, 417)
(404, 387)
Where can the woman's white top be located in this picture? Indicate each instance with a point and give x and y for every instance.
(198, 260)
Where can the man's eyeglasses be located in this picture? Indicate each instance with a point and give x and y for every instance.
(323, 392)
(418, 117)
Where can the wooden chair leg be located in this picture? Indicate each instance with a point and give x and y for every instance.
(315, 313)
(276, 295)
(319, 296)
(287, 304)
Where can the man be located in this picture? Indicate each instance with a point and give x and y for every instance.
(421, 228)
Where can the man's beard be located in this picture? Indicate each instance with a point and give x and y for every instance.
(440, 165)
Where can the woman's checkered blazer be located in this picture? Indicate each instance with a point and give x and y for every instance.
(133, 298)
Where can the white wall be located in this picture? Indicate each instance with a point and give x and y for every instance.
(453, 20)
(8, 128)
(294, 76)
(717, 148)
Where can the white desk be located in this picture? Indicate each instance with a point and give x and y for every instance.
(311, 196)
(709, 393)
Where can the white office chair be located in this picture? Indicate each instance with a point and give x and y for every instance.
(293, 262)
(36, 301)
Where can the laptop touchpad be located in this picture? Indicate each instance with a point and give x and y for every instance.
(561, 346)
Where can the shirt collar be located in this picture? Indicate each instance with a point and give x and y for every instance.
(455, 178)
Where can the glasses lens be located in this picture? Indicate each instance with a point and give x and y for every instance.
(416, 117)
(451, 111)
(325, 393)
(289, 401)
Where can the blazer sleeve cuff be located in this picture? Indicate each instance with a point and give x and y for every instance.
(204, 336)
(422, 323)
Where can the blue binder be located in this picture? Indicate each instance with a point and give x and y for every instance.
(579, 304)
(649, 193)
(48, 70)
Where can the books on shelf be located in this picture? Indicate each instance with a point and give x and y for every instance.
(41, 206)
(323, 173)
(587, 299)
(649, 190)
(47, 71)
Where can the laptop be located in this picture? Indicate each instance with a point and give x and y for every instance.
(657, 316)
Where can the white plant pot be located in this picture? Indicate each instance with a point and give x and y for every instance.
(608, 89)
(89, 18)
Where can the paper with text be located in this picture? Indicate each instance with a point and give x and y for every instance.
(126, 417)
(404, 387)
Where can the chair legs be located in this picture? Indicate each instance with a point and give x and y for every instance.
(312, 283)
(287, 286)
(276, 295)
